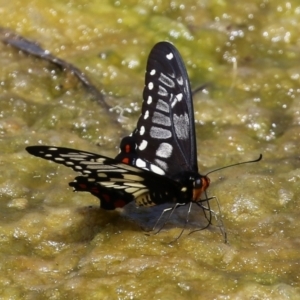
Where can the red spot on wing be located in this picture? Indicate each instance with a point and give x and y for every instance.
(106, 197)
(119, 203)
(116, 202)
(94, 190)
(125, 160)
(127, 148)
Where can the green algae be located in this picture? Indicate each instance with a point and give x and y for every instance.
(56, 244)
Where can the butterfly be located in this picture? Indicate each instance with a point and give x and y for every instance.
(157, 163)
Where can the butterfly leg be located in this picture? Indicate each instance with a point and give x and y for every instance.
(206, 209)
(186, 222)
(172, 209)
(217, 217)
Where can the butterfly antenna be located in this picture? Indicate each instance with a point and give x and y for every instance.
(236, 164)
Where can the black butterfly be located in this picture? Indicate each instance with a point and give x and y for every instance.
(157, 163)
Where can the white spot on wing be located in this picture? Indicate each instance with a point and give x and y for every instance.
(181, 124)
(102, 175)
(134, 184)
(140, 163)
(162, 105)
(131, 190)
(176, 99)
(169, 56)
(179, 97)
(133, 177)
(162, 91)
(103, 168)
(160, 133)
(166, 80)
(152, 72)
(164, 150)
(140, 192)
(97, 163)
(157, 170)
(100, 160)
(149, 100)
(108, 183)
(161, 164)
(159, 118)
(58, 158)
(119, 187)
(146, 114)
(142, 130)
(143, 145)
(150, 85)
(180, 80)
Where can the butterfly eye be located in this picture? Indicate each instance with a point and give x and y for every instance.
(197, 183)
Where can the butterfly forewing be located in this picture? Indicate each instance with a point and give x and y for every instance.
(165, 133)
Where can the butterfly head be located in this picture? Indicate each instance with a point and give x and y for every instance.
(192, 185)
(200, 184)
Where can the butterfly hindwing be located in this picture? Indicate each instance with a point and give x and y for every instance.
(114, 183)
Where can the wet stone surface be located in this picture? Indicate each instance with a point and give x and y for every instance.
(56, 244)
